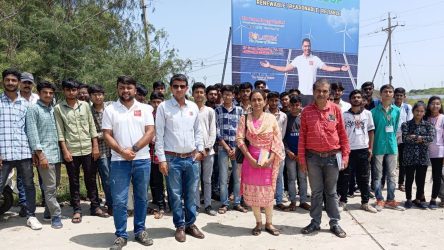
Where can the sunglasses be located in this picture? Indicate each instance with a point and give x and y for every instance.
(179, 86)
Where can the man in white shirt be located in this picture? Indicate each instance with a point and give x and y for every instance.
(360, 131)
(207, 120)
(281, 117)
(307, 65)
(406, 115)
(338, 90)
(128, 128)
(179, 148)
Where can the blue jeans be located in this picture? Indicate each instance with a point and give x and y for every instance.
(182, 180)
(391, 161)
(25, 172)
(293, 172)
(122, 172)
(103, 165)
(279, 194)
(323, 175)
(224, 161)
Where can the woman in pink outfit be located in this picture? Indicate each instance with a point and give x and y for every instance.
(258, 178)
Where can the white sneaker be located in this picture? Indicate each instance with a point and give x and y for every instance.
(368, 208)
(342, 206)
(33, 223)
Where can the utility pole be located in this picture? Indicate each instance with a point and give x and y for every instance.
(389, 31)
(145, 26)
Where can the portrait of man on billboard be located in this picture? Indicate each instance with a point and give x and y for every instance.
(307, 65)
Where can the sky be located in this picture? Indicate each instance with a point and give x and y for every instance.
(198, 29)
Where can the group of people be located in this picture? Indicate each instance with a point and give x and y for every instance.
(244, 143)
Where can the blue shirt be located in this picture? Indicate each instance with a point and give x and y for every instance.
(177, 128)
(291, 139)
(42, 131)
(14, 144)
(226, 124)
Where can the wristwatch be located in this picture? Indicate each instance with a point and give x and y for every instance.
(135, 148)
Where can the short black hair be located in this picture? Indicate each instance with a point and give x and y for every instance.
(198, 85)
(400, 90)
(128, 80)
(141, 90)
(11, 71)
(218, 86)
(386, 86)
(283, 94)
(354, 92)
(96, 88)
(295, 99)
(228, 88)
(245, 85)
(259, 82)
(82, 85)
(306, 40)
(210, 88)
(157, 84)
(179, 77)
(272, 94)
(335, 86)
(291, 91)
(366, 84)
(45, 85)
(157, 95)
(70, 84)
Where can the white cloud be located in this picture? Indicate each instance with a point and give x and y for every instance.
(349, 17)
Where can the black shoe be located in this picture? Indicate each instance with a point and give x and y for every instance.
(119, 243)
(310, 229)
(210, 211)
(23, 211)
(144, 239)
(337, 230)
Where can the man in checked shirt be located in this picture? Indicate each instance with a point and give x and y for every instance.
(323, 152)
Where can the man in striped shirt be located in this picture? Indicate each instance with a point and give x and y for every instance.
(323, 151)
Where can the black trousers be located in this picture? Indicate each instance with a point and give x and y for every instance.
(418, 173)
(89, 173)
(402, 170)
(358, 161)
(157, 186)
(436, 175)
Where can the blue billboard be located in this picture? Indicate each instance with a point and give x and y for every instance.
(289, 44)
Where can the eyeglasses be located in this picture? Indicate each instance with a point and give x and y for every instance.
(179, 86)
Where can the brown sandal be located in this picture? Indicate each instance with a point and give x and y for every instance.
(292, 206)
(158, 214)
(272, 231)
(282, 207)
(223, 209)
(99, 212)
(240, 209)
(257, 230)
(76, 218)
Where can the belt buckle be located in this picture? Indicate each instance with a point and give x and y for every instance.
(183, 155)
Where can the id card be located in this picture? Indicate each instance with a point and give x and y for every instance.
(389, 129)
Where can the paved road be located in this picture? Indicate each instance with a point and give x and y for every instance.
(389, 229)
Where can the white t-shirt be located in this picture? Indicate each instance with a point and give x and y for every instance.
(128, 126)
(344, 105)
(405, 116)
(307, 69)
(357, 127)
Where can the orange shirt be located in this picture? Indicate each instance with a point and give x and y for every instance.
(322, 131)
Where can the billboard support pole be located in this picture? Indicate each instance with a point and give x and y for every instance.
(226, 56)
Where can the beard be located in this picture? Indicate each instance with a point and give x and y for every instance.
(126, 99)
